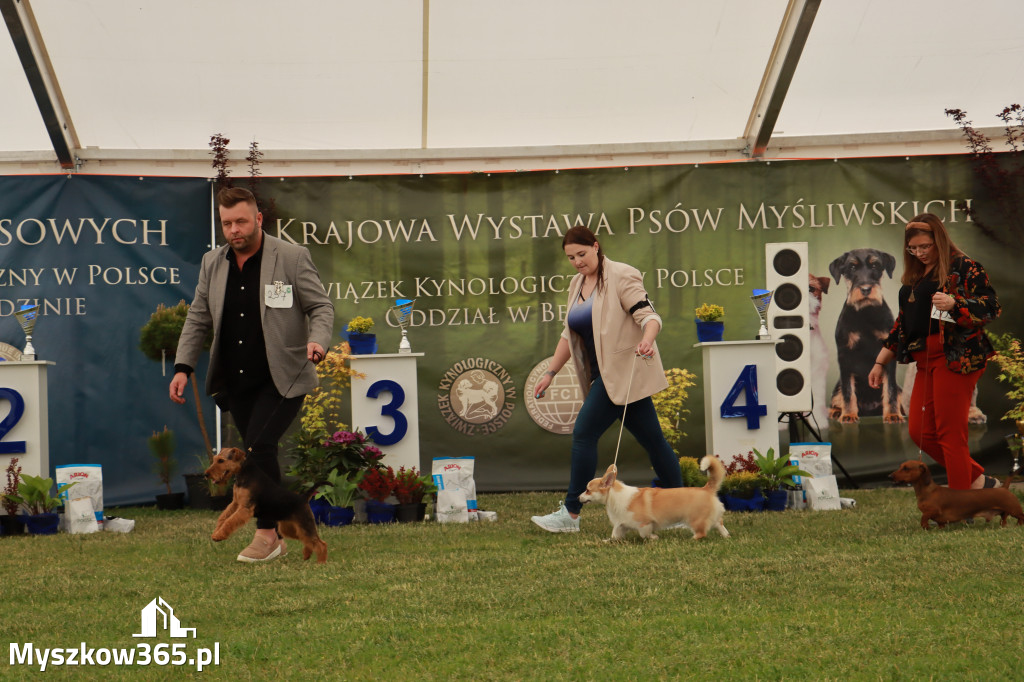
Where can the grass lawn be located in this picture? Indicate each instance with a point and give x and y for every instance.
(850, 595)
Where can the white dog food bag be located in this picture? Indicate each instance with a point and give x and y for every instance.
(79, 516)
(88, 480)
(456, 490)
(822, 493)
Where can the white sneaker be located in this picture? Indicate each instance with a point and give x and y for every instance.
(558, 521)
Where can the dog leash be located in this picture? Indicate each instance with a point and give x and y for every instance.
(283, 398)
(622, 423)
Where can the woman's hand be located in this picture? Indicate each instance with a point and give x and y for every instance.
(541, 387)
(645, 349)
(875, 375)
(943, 301)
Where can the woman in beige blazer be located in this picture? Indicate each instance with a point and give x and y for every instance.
(609, 335)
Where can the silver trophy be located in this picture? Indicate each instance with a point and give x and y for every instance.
(761, 299)
(27, 319)
(402, 311)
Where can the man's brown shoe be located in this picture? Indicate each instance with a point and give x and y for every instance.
(261, 549)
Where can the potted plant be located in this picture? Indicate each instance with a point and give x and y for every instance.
(338, 493)
(1010, 359)
(776, 472)
(670, 404)
(34, 497)
(378, 484)
(158, 340)
(360, 340)
(10, 524)
(410, 488)
(162, 446)
(315, 455)
(693, 477)
(204, 493)
(741, 491)
(709, 322)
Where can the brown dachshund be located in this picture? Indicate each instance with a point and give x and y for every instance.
(943, 505)
(256, 494)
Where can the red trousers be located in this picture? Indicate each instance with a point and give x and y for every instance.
(939, 427)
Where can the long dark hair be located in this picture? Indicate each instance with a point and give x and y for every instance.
(582, 235)
(928, 224)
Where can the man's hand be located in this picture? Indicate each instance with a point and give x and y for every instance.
(314, 352)
(178, 387)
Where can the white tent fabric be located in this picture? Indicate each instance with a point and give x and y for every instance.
(417, 79)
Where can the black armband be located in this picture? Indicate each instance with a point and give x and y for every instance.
(646, 303)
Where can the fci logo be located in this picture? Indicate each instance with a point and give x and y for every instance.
(159, 613)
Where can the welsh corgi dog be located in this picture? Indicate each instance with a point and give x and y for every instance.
(648, 510)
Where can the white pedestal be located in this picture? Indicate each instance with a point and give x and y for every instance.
(732, 372)
(385, 405)
(24, 416)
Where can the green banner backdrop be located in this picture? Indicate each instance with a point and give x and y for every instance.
(481, 254)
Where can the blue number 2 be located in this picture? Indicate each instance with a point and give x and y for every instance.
(13, 447)
(746, 381)
(388, 410)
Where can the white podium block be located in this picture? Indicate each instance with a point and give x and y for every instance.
(24, 416)
(385, 405)
(740, 397)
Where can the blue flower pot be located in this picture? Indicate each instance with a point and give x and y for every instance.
(709, 331)
(338, 516)
(362, 344)
(751, 504)
(379, 512)
(42, 524)
(775, 500)
(319, 508)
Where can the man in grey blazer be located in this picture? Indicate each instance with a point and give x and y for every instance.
(271, 320)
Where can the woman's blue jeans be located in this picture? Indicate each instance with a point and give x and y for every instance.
(595, 417)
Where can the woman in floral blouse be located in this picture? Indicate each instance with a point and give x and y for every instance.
(945, 302)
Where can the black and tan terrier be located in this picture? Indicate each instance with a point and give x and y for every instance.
(255, 494)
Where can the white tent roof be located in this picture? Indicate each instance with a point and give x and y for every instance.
(422, 79)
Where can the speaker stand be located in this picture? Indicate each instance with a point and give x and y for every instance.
(792, 418)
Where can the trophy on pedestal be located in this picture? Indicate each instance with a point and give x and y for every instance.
(27, 319)
(761, 299)
(402, 311)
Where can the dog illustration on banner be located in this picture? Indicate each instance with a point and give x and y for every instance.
(478, 395)
(862, 327)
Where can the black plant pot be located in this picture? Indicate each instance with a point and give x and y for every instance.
(169, 501)
(11, 525)
(199, 493)
(408, 513)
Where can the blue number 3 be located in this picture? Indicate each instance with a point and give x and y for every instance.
(13, 447)
(388, 410)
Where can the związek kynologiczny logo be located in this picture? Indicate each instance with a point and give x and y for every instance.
(156, 616)
(476, 396)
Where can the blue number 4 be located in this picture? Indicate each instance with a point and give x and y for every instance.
(746, 381)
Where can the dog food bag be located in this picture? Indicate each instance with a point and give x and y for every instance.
(822, 493)
(456, 490)
(88, 480)
(79, 516)
(815, 459)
